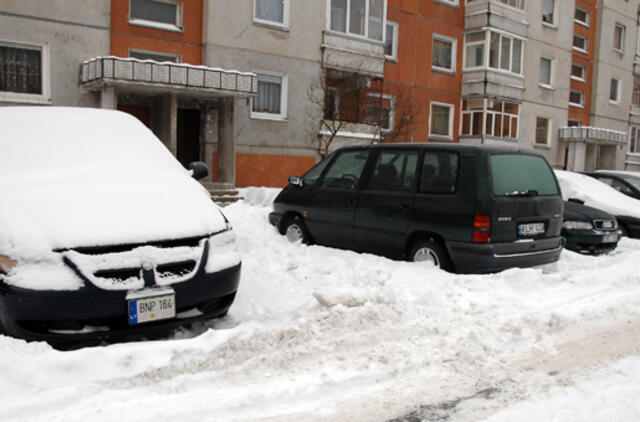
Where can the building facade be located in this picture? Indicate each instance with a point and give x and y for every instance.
(261, 89)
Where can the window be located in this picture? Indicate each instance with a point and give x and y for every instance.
(578, 72)
(272, 12)
(391, 42)
(23, 72)
(312, 176)
(450, 2)
(542, 131)
(580, 43)
(489, 117)
(158, 57)
(379, 111)
(394, 170)
(444, 53)
(439, 173)
(505, 53)
(581, 16)
(521, 173)
(518, 4)
(474, 49)
(576, 98)
(635, 97)
(161, 14)
(364, 18)
(614, 91)
(346, 170)
(548, 11)
(618, 37)
(441, 121)
(271, 101)
(574, 123)
(545, 71)
(634, 140)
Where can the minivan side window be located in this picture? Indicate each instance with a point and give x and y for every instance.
(345, 170)
(311, 177)
(394, 170)
(439, 172)
(521, 174)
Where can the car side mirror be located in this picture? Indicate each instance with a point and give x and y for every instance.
(576, 200)
(199, 170)
(295, 181)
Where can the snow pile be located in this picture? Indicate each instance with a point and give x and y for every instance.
(325, 334)
(597, 194)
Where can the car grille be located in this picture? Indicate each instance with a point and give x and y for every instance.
(177, 269)
(605, 224)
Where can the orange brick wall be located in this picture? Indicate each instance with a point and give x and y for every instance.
(187, 44)
(586, 60)
(266, 169)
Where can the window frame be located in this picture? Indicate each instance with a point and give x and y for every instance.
(584, 73)
(619, 39)
(496, 115)
(587, 21)
(347, 33)
(285, 17)
(376, 160)
(177, 27)
(486, 45)
(45, 76)
(453, 42)
(473, 44)
(547, 137)
(618, 87)
(177, 57)
(574, 104)
(553, 23)
(449, 136)
(586, 43)
(261, 115)
(634, 140)
(419, 176)
(392, 109)
(394, 42)
(540, 82)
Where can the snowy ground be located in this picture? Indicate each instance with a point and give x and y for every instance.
(331, 335)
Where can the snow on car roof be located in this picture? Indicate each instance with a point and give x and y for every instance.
(597, 194)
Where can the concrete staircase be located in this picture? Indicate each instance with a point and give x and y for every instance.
(222, 193)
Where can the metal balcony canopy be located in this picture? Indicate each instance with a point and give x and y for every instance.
(102, 71)
(592, 135)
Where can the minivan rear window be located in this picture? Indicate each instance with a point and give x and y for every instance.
(521, 174)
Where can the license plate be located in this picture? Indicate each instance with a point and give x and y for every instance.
(148, 306)
(530, 229)
(609, 238)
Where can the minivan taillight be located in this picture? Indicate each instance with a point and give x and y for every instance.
(481, 226)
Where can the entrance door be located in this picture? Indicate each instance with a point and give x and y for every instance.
(188, 132)
(141, 112)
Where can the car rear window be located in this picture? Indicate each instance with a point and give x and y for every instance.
(521, 174)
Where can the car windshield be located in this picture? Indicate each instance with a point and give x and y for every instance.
(521, 175)
(632, 180)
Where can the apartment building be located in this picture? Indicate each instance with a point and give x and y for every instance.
(261, 89)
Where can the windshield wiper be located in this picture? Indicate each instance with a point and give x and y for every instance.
(530, 192)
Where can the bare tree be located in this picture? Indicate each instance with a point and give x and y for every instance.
(395, 115)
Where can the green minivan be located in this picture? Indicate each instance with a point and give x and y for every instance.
(465, 208)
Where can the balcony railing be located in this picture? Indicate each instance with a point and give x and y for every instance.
(518, 4)
(592, 135)
(100, 70)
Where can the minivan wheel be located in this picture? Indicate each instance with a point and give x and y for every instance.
(431, 251)
(296, 231)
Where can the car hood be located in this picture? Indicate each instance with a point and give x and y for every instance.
(109, 210)
(578, 212)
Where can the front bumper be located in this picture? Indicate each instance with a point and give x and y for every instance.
(275, 219)
(492, 257)
(590, 241)
(91, 313)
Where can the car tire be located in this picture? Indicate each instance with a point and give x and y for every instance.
(431, 250)
(295, 230)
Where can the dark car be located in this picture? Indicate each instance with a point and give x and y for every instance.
(463, 207)
(588, 230)
(623, 181)
(103, 234)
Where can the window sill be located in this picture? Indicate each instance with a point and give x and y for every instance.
(542, 146)
(619, 52)
(582, 23)
(155, 25)
(615, 103)
(576, 105)
(575, 78)
(271, 25)
(547, 87)
(443, 70)
(580, 50)
(549, 25)
(441, 138)
(10, 97)
(455, 4)
(354, 37)
(269, 116)
(391, 59)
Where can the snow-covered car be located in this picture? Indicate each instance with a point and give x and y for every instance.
(103, 234)
(596, 194)
(627, 182)
(587, 229)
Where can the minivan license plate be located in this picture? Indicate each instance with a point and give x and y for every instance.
(530, 229)
(153, 308)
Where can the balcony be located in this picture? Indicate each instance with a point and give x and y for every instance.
(506, 15)
(97, 72)
(354, 55)
(592, 135)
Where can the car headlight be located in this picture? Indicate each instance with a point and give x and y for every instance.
(7, 264)
(577, 225)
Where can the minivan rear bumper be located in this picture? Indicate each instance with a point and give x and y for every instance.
(492, 257)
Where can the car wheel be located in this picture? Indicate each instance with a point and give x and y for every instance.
(431, 251)
(295, 230)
